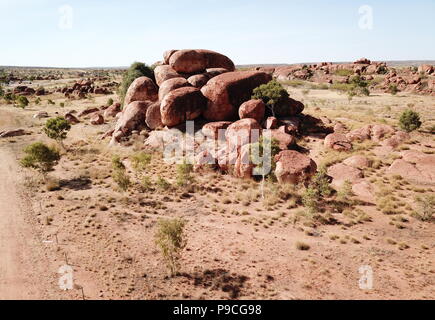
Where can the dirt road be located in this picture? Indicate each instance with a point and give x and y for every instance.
(23, 269)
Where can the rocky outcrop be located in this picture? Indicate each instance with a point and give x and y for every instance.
(195, 61)
(141, 89)
(226, 92)
(132, 118)
(293, 167)
(254, 109)
(181, 105)
(243, 132)
(171, 85)
(338, 142)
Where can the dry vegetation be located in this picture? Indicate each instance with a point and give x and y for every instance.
(103, 206)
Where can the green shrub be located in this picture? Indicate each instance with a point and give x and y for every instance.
(141, 161)
(320, 183)
(267, 150)
(38, 101)
(184, 176)
(344, 72)
(136, 70)
(109, 102)
(162, 183)
(410, 121)
(40, 157)
(393, 89)
(310, 199)
(170, 238)
(273, 95)
(117, 163)
(57, 129)
(22, 102)
(122, 179)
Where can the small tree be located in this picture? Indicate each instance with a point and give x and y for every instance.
(410, 121)
(40, 157)
(393, 89)
(171, 241)
(22, 102)
(273, 95)
(136, 70)
(119, 174)
(57, 129)
(184, 177)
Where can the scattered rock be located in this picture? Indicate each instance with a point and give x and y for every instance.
(294, 167)
(253, 109)
(341, 173)
(40, 115)
(338, 142)
(97, 120)
(112, 111)
(357, 161)
(12, 133)
(132, 118)
(71, 118)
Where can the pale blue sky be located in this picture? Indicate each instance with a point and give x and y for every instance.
(116, 33)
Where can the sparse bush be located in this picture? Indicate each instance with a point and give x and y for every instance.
(117, 163)
(273, 95)
(410, 120)
(425, 205)
(344, 72)
(184, 176)
(345, 193)
(264, 151)
(162, 183)
(310, 199)
(52, 184)
(38, 101)
(141, 161)
(135, 71)
(57, 129)
(40, 157)
(302, 246)
(146, 183)
(122, 179)
(321, 183)
(171, 240)
(22, 102)
(393, 89)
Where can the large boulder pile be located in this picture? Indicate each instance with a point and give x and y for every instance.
(203, 85)
(419, 80)
(81, 88)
